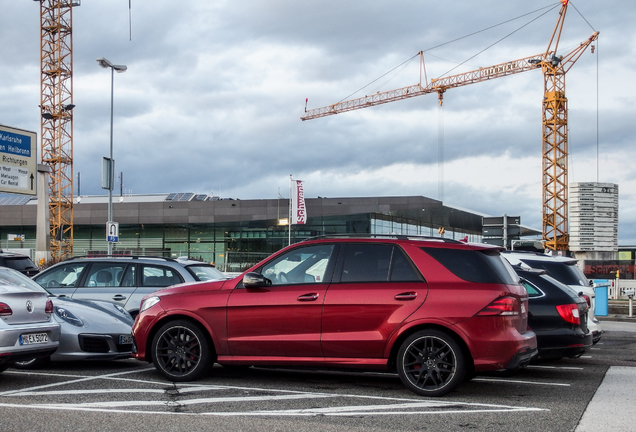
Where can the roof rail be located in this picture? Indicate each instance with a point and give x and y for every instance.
(390, 236)
(519, 267)
(17, 254)
(133, 257)
(526, 252)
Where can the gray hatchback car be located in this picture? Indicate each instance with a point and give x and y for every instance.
(124, 280)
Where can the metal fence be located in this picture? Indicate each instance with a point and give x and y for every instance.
(616, 288)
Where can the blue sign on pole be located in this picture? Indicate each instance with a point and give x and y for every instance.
(112, 232)
(18, 165)
(17, 144)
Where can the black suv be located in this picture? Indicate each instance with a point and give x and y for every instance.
(19, 262)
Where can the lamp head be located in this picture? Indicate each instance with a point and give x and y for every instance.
(105, 63)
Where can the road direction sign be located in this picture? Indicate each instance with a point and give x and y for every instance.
(18, 161)
(112, 232)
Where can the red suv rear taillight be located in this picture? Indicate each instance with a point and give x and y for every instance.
(49, 307)
(570, 313)
(504, 306)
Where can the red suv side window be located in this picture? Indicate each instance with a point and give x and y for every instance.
(365, 262)
(307, 264)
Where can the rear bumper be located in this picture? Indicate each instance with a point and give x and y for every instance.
(596, 336)
(27, 354)
(563, 344)
(11, 350)
(494, 346)
(595, 328)
(522, 358)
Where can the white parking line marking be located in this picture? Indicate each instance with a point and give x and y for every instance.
(85, 378)
(186, 402)
(498, 380)
(110, 391)
(362, 413)
(426, 407)
(84, 392)
(176, 397)
(554, 367)
(359, 409)
(276, 413)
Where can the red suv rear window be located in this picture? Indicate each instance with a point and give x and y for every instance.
(479, 266)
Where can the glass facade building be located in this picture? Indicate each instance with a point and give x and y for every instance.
(234, 234)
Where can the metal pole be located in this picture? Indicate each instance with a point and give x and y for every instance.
(289, 212)
(110, 167)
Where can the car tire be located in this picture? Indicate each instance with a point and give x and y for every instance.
(35, 363)
(431, 363)
(181, 351)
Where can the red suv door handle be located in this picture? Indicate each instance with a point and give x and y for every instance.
(406, 296)
(308, 297)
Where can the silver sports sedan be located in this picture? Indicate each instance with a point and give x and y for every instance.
(90, 330)
(27, 329)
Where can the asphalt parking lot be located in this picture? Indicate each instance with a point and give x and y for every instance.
(129, 394)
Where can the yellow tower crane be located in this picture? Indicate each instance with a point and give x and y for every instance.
(555, 110)
(56, 104)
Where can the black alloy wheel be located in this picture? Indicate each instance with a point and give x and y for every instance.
(431, 363)
(181, 351)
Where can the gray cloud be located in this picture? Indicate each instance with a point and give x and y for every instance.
(214, 91)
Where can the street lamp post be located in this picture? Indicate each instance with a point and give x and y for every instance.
(119, 69)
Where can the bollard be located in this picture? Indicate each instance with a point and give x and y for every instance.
(630, 293)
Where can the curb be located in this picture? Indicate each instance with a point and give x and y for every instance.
(625, 318)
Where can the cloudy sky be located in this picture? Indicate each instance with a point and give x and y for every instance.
(212, 99)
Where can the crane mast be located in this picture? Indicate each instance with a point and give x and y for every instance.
(56, 104)
(555, 137)
(555, 116)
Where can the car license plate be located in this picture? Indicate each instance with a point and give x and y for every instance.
(33, 338)
(125, 339)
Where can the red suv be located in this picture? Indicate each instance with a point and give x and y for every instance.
(434, 310)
